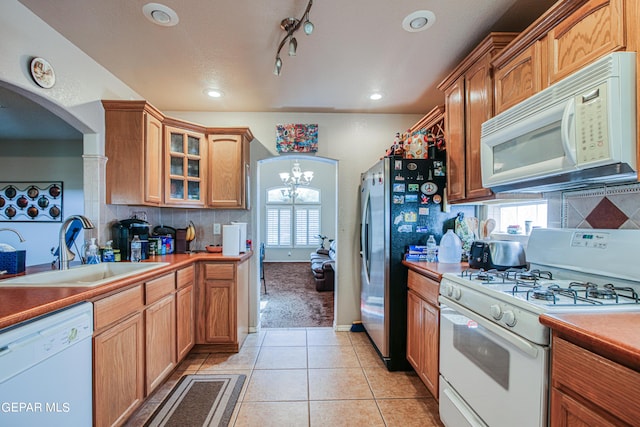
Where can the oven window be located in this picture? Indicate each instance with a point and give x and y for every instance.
(473, 343)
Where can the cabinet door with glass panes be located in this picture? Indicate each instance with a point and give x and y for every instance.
(185, 167)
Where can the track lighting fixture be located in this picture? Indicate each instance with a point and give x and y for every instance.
(291, 25)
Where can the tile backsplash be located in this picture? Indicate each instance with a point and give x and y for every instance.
(615, 206)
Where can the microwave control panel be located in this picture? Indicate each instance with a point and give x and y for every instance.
(592, 132)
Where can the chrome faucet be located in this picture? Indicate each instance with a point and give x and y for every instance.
(65, 255)
(15, 231)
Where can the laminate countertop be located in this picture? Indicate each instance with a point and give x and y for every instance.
(23, 303)
(435, 270)
(615, 336)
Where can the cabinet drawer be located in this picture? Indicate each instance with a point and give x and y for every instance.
(115, 307)
(595, 379)
(158, 288)
(219, 271)
(184, 277)
(425, 287)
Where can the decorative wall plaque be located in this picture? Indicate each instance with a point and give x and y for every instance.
(31, 201)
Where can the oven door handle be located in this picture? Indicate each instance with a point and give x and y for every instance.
(522, 344)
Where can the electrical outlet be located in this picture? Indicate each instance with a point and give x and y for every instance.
(216, 228)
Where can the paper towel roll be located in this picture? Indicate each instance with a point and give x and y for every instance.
(242, 241)
(230, 240)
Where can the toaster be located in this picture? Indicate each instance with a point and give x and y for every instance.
(497, 254)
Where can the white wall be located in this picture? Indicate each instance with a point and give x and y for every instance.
(42, 161)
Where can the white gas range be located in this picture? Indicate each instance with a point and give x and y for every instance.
(494, 352)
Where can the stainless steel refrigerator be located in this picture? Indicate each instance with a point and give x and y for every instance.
(401, 202)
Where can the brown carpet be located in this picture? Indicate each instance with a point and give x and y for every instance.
(291, 300)
(199, 400)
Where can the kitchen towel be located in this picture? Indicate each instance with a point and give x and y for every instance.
(230, 240)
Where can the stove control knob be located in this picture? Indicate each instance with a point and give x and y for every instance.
(509, 318)
(457, 293)
(496, 311)
(448, 290)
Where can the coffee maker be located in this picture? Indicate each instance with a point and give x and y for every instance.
(122, 233)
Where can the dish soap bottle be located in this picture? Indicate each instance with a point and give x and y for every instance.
(136, 249)
(93, 256)
(107, 252)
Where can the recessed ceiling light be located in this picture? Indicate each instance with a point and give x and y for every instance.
(160, 14)
(213, 93)
(375, 96)
(419, 20)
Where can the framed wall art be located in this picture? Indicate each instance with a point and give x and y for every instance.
(297, 138)
(31, 201)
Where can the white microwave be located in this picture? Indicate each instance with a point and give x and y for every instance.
(577, 132)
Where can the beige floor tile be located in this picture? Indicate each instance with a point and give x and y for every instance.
(368, 356)
(359, 338)
(192, 363)
(332, 357)
(282, 358)
(254, 339)
(277, 385)
(387, 384)
(347, 413)
(273, 414)
(327, 336)
(343, 383)
(410, 412)
(285, 338)
(245, 359)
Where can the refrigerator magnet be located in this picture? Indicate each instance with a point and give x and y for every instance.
(398, 188)
(429, 188)
(437, 199)
(423, 211)
(397, 165)
(413, 188)
(405, 228)
(399, 178)
(424, 199)
(410, 217)
(422, 229)
(398, 199)
(411, 198)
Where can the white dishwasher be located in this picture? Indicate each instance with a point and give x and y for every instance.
(45, 370)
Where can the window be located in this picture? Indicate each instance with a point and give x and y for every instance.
(293, 223)
(518, 214)
(279, 226)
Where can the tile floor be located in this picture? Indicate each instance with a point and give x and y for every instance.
(311, 377)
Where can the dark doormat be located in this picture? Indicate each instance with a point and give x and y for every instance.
(199, 400)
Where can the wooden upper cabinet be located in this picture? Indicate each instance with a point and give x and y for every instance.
(229, 168)
(185, 167)
(592, 31)
(133, 147)
(479, 109)
(454, 126)
(468, 103)
(518, 79)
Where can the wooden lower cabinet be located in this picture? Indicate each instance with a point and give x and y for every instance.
(223, 305)
(185, 311)
(588, 389)
(118, 356)
(160, 342)
(423, 329)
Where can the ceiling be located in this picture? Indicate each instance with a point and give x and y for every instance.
(357, 47)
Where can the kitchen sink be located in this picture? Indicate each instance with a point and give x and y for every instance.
(83, 276)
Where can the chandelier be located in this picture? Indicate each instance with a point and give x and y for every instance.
(295, 179)
(291, 25)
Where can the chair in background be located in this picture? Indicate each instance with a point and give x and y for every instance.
(262, 267)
